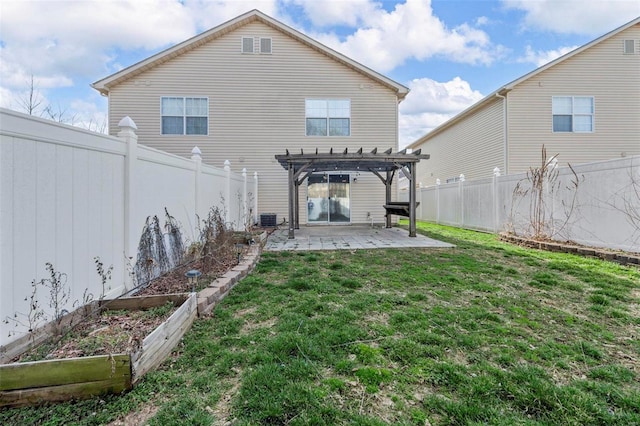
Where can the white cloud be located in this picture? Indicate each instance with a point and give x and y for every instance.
(592, 17)
(63, 39)
(385, 40)
(333, 13)
(542, 57)
(68, 44)
(210, 13)
(431, 103)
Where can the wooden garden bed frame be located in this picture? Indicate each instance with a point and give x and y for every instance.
(36, 382)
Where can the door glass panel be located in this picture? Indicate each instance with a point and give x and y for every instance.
(339, 198)
(318, 198)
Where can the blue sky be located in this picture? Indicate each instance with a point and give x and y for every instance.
(450, 53)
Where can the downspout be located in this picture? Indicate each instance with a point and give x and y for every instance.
(505, 129)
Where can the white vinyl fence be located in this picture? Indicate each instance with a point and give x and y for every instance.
(68, 196)
(603, 210)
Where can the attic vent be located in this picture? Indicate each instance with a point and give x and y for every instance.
(247, 44)
(629, 47)
(265, 45)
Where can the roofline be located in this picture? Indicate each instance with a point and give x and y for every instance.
(106, 83)
(510, 86)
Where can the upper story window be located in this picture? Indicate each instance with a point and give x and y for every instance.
(185, 116)
(328, 117)
(629, 47)
(247, 45)
(573, 114)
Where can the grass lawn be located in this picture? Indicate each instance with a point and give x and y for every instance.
(485, 333)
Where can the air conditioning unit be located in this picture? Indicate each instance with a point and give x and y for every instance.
(268, 220)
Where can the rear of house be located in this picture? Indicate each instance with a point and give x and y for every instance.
(585, 106)
(253, 88)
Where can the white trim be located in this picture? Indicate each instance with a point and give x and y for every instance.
(270, 45)
(328, 117)
(574, 114)
(253, 45)
(184, 116)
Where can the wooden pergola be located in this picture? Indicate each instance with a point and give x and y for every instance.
(384, 165)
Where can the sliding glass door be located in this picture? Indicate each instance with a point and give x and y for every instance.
(329, 198)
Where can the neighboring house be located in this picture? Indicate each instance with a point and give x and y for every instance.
(584, 106)
(253, 88)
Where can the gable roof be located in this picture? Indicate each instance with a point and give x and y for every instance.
(509, 86)
(104, 85)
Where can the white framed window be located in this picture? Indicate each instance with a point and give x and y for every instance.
(328, 117)
(184, 116)
(265, 45)
(247, 45)
(629, 47)
(572, 114)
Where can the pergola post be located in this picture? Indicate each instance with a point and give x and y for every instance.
(387, 196)
(291, 201)
(296, 196)
(412, 200)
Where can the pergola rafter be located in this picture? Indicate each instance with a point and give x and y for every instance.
(384, 165)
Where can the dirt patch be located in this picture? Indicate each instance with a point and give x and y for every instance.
(223, 408)
(175, 281)
(137, 417)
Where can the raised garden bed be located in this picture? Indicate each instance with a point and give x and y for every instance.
(28, 383)
(621, 257)
(78, 373)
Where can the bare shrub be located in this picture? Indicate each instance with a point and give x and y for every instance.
(152, 260)
(216, 240)
(540, 187)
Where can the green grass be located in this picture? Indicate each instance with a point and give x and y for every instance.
(483, 333)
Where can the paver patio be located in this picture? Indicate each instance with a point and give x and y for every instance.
(348, 238)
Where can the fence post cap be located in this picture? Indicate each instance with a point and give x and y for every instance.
(196, 151)
(496, 171)
(128, 122)
(461, 177)
(437, 181)
(227, 163)
(255, 174)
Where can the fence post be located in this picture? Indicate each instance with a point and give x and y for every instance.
(437, 201)
(128, 135)
(496, 201)
(255, 197)
(549, 195)
(461, 195)
(227, 169)
(197, 159)
(245, 208)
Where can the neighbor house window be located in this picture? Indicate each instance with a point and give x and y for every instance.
(573, 114)
(328, 117)
(185, 116)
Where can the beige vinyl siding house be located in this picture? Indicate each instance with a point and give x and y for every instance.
(508, 128)
(257, 105)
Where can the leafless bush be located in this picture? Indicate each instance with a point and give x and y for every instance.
(152, 258)
(540, 187)
(175, 244)
(216, 240)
